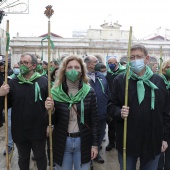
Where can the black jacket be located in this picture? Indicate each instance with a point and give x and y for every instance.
(146, 128)
(89, 137)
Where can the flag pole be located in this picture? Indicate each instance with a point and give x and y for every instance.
(49, 12)
(126, 100)
(6, 107)
(160, 64)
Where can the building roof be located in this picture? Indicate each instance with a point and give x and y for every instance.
(52, 34)
(157, 37)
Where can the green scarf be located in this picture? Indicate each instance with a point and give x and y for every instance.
(166, 82)
(60, 96)
(140, 86)
(44, 72)
(121, 69)
(36, 75)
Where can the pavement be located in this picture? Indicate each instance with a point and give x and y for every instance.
(110, 157)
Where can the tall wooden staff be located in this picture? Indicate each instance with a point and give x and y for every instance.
(126, 101)
(49, 12)
(160, 64)
(6, 81)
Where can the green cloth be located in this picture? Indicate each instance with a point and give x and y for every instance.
(140, 85)
(44, 72)
(36, 75)
(121, 69)
(166, 82)
(60, 96)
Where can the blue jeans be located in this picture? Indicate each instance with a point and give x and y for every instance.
(10, 140)
(72, 156)
(131, 163)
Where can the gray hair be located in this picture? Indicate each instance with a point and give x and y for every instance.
(33, 57)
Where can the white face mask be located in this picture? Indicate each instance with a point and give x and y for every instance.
(137, 65)
(104, 73)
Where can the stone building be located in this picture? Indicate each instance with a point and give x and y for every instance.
(110, 40)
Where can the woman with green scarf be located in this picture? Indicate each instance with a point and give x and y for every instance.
(164, 162)
(75, 117)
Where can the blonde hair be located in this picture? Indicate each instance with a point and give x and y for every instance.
(62, 70)
(164, 65)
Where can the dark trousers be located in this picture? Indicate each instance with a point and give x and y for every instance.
(38, 148)
(102, 130)
(164, 160)
(112, 132)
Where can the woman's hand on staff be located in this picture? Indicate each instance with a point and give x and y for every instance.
(49, 103)
(124, 112)
(4, 90)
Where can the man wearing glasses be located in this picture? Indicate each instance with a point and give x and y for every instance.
(147, 114)
(26, 95)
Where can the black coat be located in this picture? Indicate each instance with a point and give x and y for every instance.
(89, 137)
(29, 119)
(146, 128)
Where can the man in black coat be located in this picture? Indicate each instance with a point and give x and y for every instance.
(26, 96)
(147, 113)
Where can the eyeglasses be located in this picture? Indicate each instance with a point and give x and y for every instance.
(133, 57)
(25, 63)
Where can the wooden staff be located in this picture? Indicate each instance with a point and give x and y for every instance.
(6, 108)
(160, 64)
(49, 12)
(126, 101)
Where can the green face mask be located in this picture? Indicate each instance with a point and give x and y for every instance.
(52, 68)
(24, 70)
(39, 68)
(72, 75)
(168, 72)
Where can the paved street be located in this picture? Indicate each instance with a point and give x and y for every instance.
(111, 162)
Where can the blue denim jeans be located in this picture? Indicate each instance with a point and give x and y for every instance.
(72, 156)
(131, 163)
(10, 140)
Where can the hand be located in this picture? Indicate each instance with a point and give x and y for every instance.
(4, 90)
(94, 152)
(164, 146)
(48, 131)
(49, 103)
(124, 112)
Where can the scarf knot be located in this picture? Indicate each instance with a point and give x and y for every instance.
(36, 75)
(140, 85)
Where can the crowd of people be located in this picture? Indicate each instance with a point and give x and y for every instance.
(86, 96)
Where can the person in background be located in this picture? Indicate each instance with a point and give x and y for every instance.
(75, 117)
(101, 68)
(147, 113)
(123, 63)
(54, 75)
(99, 83)
(45, 68)
(39, 67)
(164, 160)
(16, 71)
(114, 69)
(155, 68)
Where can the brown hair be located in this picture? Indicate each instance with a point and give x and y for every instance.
(139, 47)
(62, 70)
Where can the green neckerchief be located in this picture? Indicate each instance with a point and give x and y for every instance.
(44, 72)
(51, 43)
(60, 96)
(13, 76)
(166, 82)
(101, 84)
(36, 75)
(140, 86)
(121, 69)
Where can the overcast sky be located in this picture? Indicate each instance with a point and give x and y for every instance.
(145, 16)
